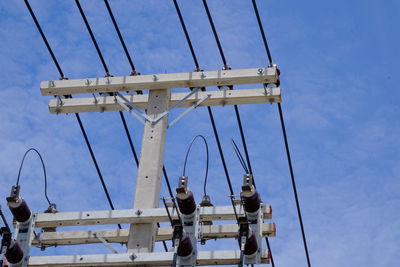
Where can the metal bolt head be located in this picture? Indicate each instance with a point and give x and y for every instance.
(260, 71)
(138, 212)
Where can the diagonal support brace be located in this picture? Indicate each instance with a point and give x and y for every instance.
(143, 117)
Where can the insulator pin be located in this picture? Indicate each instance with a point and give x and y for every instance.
(14, 253)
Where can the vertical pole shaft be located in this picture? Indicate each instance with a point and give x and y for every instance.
(148, 182)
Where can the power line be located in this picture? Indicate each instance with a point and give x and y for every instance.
(93, 38)
(76, 114)
(196, 63)
(121, 39)
(294, 184)
(262, 33)
(285, 140)
(235, 107)
(108, 74)
(44, 39)
(221, 51)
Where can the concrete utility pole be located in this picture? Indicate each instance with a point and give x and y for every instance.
(143, 232)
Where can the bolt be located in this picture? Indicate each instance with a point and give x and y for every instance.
(155, 78)
(138, 212)
(87, 82)
(202, 75)
(52, 84)
(260, 71)
(108, 81)
(133, 256)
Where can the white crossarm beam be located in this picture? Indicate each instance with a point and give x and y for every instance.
(216, 98)
(215, 257)
(132, 216)
(158, 81)
(121, 235)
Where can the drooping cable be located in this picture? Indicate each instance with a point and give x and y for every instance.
(207, 160)
(262, 33)
(239, 156)
(121, 39)
(76, 114)
(294, 184)
(44, 171)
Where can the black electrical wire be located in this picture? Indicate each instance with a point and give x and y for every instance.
(221, 52)
(210, 113)
(76, 114)
(108, 74)
(286, 142)
(207, 161)
(44, 171)
(44, 39)
(239, 156)
(95, 164)
(262, 33)
(235, 106)
(293, 183)
(121, 39)
(92, 36)
(196, 63)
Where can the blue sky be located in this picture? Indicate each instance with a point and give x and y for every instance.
(339, 62)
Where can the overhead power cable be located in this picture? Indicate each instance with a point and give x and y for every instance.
(221, 51)
(262, 33)
(93, 38)
(44, 39)
(76, 114)
(286, 141)
(44, 171)
(121, 39)
(210, 113)
(235, 106)
(294, 184)
(108, 74)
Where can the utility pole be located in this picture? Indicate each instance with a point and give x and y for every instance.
(143, 233)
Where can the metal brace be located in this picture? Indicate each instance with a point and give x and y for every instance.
(105, 243)
(143, 117)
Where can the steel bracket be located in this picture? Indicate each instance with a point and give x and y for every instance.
(143, 117)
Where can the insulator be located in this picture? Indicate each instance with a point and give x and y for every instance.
(251, 200)
(20, 210)
(186, 203)
(14, 253)
(251, 245)
(185, 247)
